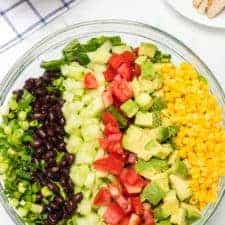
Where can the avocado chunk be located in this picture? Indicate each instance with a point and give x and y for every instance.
(147, 49)
(158, 150)
(170, 203)
(102, 54)
(130, 108)
(181, 186)
(121, 48)
(144, 101)
(150, 168)
(164, 222)
(162, 180)
(193, 212)
(179, 218)
(135, 140)
(144, 119)
(142, 86)
(148, 70)
(179, 168)
(160, 214)
(165, 133)
(153, 193)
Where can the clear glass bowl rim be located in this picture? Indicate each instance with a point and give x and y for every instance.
(178, 46)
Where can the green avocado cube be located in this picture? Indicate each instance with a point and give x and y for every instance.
(181, 186)
(153, 193)
(130, 108)
(150, 168)
(144, 101)
(162, 180)
(193, 213)
(135, 139)
(147, 49)
(144, 119)
(179, 168)
(148, 70)
(170, 203)
(179, 218)
(160, 214)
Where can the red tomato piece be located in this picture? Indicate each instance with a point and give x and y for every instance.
(103, 197)
(137, 205)
(90, 81)
(121, 90)
(125, 71)
(113, 214)
(148, 215)
(134, 220)
(109, 164)
(111, 129)
(128, 57)
(107, 117)
(115, 61)
(109, 74)
(133, 182)
(115, 190)
(125, 220)
(107, 98)
(124, 203)
(136, 70)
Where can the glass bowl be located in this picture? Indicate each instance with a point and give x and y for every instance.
(131, 32)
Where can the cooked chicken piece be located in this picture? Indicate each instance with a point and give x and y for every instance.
(215, 8)
(196, 3)
(203, 6)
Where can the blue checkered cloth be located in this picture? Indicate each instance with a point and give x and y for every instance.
(18, 18)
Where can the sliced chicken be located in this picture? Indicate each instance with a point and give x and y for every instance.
(215, 8)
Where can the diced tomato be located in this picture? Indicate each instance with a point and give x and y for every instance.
(136, 70)
(109, 74)
(137, 205)
(134, 220)
(125, 220)
(113, 214)
(107, 98)
(121, 90)
(107, 117)
(117, 59)
(133, 182)
(103, 197)
(115, 147)
(132, 158)
(124, 203)
(109, 164)
(128, 57)
(125, 71)
(115, 190)
(90, 81)
(148, 215)
(111, 129)
(115, 137)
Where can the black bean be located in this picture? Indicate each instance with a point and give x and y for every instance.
(41, 133)
(37, 142)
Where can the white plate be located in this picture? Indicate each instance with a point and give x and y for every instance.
(185, 8)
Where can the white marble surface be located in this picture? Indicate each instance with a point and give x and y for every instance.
(208, 43)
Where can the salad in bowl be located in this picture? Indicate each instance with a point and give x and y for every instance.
(112, 134)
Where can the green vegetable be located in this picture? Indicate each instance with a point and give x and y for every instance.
(120, 118)
(153, 193)
(152, 167)
(165, 133)
(159, 57)
(158, 104)
(148, 70)
(147, 49)
(52, 65)
(130, 108)
(144, 101)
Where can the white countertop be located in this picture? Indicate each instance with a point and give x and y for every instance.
(207, 43)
